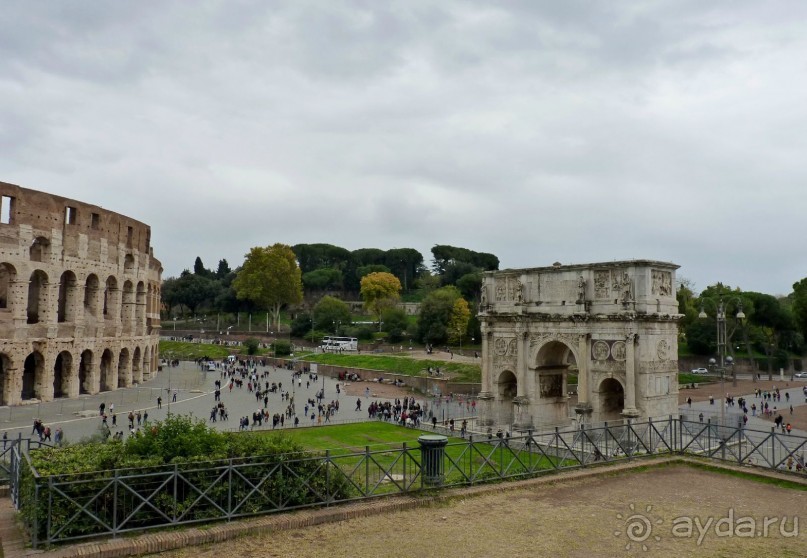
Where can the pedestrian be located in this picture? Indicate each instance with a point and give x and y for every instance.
(114, 419)
(160, 402)
(174, 399)
(5, 439)
(145, 417)
(101, 408)
(58, 436)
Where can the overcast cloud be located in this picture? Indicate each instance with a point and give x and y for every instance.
(538, 131)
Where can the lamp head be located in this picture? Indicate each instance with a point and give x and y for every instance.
(702, 315)
(712, 361)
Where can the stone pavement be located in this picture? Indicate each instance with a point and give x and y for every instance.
(79, 418)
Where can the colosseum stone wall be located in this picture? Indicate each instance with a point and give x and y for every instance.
(79, 298)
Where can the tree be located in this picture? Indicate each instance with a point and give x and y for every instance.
(329, 313)
(323, 278)
(799, 306)
(379, 291)
(435, 315)
(191, 290)
(270, 277)
(223, 269)
(395, 323)
(458, 321)
(199, 268)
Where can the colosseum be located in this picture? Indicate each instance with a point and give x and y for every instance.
(79, 298)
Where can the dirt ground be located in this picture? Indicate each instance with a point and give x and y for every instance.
(630, 514)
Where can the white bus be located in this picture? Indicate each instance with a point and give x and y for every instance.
(339, 344)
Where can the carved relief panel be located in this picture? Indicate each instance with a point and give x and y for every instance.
(602, 284)
(662, 283)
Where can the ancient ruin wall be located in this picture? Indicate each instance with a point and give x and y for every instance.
(79, 298)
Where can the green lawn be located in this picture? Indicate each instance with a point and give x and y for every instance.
(347, 445)
(401, 365)
(184, 350)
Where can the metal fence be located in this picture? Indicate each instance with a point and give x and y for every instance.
(73, 507)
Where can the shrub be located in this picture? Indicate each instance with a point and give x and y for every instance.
(252, 345)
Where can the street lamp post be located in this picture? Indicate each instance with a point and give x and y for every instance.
(721, 334)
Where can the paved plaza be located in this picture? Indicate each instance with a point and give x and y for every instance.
(195, 386)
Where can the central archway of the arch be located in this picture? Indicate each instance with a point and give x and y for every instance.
(578, 344)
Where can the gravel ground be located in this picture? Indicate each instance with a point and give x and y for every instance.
(578, 518)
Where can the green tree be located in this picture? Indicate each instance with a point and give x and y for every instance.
(435, 315)
(329, 313)
(271, 278)
(192, 290)
(394, 322)
(223, 269)
(799, 306)
(380, 291)
(323, 278)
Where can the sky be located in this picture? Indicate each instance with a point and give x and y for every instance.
(539, 131)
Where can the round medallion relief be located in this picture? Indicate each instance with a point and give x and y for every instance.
(500, 346)
(619, 351)
(600, 350)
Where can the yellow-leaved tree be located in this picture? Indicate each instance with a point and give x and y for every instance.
(458, 322)
(379, 291)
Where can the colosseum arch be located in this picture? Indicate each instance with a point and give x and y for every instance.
(33, 377)
(613, 326)
(63, 375)
(68, 304)
(111, 299)
(137, 366)
(140, 309)
(128, 264)
(39, 250)
(108, 371)
(8, 274)
(6, 374)
(85, 373)
(127, 309)
(124, 368)
(37, 296)
(147, 363)
(92, 287)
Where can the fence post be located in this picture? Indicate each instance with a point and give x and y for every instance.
(230, 491)
(50, 508)
(583, 445)
(681, 433)
(115, 504)
(176, 475)
(35, 542)
(605, 434)
(403, 460)
(366, 470)
(328, 496)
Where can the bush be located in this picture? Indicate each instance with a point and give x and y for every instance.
(172, 462)
(281, 348)
(252, 345)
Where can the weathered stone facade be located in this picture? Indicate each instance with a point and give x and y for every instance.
(615, 324)
(79, 298)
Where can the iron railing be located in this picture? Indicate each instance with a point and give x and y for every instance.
(71, 507)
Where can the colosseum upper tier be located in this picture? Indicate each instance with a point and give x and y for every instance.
(79, 298)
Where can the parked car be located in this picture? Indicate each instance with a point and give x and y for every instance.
(700, 371)
(800, 375)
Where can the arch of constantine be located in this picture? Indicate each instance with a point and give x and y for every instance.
(79, 298)
(614, 325)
